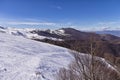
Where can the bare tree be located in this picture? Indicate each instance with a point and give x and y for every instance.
(83, 69)
(89, 66)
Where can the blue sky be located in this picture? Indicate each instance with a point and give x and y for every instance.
(80, 14)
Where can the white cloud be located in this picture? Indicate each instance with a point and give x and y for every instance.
(97, 26)
(59, 7)
(25, 21)
(56, 7)
(113, 25)
(108, 25)
(31, 23)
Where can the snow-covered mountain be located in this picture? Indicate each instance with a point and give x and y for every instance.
(56, 35)
(24, 59)
(33, 33)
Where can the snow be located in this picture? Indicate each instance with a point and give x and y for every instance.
(36, 36)
(24, 59)
(60, 32)
(25, 32)
(108, 65)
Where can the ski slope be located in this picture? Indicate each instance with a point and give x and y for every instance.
(24, 59)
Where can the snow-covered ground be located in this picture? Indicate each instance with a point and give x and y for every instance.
(24, 59)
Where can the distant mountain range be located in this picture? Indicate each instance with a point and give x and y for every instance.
(60, 34)
(112, 32)
(69, 38)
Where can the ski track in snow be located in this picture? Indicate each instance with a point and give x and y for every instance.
(24, 59)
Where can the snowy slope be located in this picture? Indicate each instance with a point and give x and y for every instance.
(24, 59)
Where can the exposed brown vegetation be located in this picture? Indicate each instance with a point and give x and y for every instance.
(105, 49)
